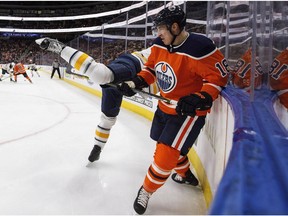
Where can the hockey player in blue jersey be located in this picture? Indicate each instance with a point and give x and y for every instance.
(124, 68)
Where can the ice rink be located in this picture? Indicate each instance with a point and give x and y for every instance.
(47, 132)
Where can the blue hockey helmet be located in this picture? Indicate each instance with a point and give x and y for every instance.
(170, 15)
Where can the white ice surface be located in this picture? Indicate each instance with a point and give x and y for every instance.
(46, 134)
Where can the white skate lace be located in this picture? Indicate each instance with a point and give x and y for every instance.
(54, 46)
(143, 197)
(178, 178)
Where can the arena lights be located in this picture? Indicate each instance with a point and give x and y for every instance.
(79, 17)
(93, 28)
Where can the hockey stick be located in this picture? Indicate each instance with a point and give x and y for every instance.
(78, 75)
(157, 97)
(142, 93)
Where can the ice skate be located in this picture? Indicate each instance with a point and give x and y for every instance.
(49, 44)
(141, 201)
(189, 178)
(95, 154)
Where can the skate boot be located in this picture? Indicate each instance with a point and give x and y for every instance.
(141, 201)
(189, 178)
(49, 44)
(95, 154)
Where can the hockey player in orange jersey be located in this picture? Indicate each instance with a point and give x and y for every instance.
(241, 75)
(278, 77)
(20, 69)
(188, 68)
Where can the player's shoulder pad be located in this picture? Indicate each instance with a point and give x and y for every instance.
(198, 45)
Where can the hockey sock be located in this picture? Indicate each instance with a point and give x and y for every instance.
(165, 160)
(82, 62)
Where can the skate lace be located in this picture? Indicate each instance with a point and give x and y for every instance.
(178, 178)
(55, 46)
(143, 197)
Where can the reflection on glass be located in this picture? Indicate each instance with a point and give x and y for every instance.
(278, 76)
(241, 74)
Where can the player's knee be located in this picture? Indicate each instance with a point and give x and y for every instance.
(166, 157)
(107, 122)
(111, 113)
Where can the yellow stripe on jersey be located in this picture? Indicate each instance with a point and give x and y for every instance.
(80, 61)
(102, 135)
(142, 58)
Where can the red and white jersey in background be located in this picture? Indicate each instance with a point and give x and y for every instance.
(278, 76)
(241, 75)
(278, 73)
(19, 68)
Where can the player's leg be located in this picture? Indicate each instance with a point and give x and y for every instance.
(36, 70)
(27, 77)
(58, 71)
(110, 107)
(53, 71)
(165, 160)
(183, 173)
(11, 76)
(124, 68)
(97, 72)
(2, 74)
(15, 77)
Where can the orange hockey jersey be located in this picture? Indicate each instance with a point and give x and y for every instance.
(19, 69)
(193, 66)
(278, 76)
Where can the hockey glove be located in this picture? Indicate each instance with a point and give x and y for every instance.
(49, 44)
(136, 83)
(188, 105)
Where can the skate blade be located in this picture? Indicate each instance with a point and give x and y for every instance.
(39, 41)
(89, 164)
(134, 212)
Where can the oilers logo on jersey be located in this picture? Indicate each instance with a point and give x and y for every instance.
(166, 78)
